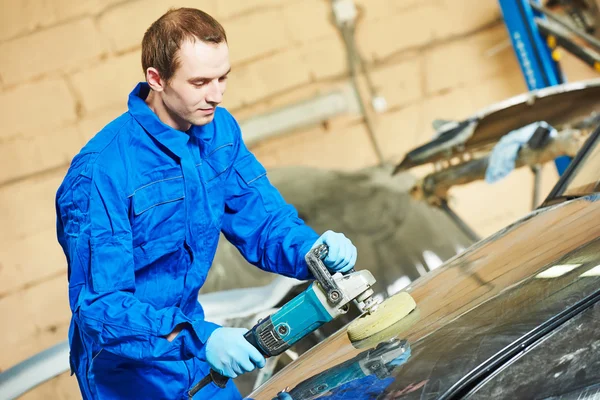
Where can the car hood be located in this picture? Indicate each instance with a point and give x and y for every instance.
(474, 306)
(571, 104)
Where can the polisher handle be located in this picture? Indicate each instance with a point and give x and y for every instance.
(314, 260)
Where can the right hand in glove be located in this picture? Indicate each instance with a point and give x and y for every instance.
(230, 354)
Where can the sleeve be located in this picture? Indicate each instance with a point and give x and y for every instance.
(258, 221)
(106, 309)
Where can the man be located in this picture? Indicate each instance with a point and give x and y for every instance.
(139, 214)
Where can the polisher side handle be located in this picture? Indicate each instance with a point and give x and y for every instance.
(314, 260)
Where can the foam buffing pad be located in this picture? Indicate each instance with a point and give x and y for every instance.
(388, 313)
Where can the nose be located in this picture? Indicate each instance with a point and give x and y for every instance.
(214, 94)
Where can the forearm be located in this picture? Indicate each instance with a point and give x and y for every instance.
(259, 222)
(286, 244)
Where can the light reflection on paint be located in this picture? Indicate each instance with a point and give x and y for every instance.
(557, 270)
(398, 285)
(420, 268)
(432, 260)
(459, 249)
(592, 272)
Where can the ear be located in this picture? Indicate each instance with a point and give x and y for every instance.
(154, 80)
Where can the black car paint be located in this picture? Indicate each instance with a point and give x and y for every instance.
(441, 360)
(515, 344)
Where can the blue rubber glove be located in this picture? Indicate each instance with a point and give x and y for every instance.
(342, 253)
(230, 354)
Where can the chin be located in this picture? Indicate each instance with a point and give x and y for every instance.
(206, 119)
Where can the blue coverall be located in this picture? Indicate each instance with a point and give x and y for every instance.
(138, 217)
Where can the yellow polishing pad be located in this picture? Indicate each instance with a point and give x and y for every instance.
(388, 313)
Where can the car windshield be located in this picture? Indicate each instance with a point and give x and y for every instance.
(566, 365)
(454, 351)
(434, 366)
(473, 315)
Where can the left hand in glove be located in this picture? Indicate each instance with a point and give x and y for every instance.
(342, 253)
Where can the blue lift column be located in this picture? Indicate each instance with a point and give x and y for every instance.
(535, 57)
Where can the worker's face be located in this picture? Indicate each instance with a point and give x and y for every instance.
(198, 85)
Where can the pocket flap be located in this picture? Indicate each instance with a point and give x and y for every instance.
(112, 265)
(156, 193)
(217, 162)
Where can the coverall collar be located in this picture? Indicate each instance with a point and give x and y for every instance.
(174, 140)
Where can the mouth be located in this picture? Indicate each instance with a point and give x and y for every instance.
(207, 111)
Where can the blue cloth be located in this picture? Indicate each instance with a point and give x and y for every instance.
(138, 217)
(366, 388)
(504, 154)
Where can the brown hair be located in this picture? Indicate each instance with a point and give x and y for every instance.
(165, 36)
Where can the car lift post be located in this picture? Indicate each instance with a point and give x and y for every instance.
(533, 53)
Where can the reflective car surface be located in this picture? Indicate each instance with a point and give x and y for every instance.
(514, 316)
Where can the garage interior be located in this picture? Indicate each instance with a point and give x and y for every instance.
(333, 97)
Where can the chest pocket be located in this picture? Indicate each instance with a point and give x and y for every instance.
(216, 164)
(213, 171)
(159, 212)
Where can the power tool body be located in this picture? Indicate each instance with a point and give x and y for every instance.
(325, 299)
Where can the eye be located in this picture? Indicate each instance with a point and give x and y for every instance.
(199, 83)
(223, 78)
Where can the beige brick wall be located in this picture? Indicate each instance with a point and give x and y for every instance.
(62, 48)
(68, 65)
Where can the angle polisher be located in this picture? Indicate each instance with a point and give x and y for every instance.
(328, 297)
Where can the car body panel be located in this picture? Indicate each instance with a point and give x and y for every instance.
(498, 271)
(569, 104)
